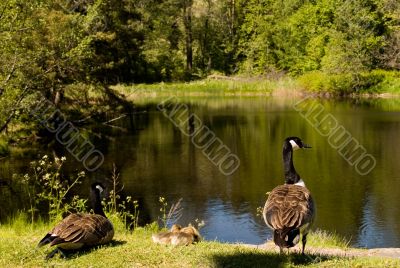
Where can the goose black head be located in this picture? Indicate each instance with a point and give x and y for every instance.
(96, 191)
(296, 143)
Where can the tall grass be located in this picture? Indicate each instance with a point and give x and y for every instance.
(321, 238)
(202, 88)
(375, 81)
(123, 210)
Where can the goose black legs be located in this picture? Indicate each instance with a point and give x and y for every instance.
(304, 241)
(51, 254)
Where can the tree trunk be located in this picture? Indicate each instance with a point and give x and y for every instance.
(189, 35)
(232, 22)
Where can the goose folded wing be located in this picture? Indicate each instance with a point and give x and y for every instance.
(289, 206)
(87, 230)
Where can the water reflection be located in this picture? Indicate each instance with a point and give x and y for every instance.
(158, 160)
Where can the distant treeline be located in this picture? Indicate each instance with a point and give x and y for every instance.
(115, 41)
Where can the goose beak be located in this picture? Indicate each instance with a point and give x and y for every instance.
(306, 146)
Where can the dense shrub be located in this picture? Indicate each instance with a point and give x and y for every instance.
(364, 82)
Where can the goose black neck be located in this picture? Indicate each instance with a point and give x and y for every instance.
(291, 176)
(96, 203)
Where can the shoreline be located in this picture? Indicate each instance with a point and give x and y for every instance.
(246, 87)
(349, 252)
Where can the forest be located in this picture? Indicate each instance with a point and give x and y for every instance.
(68, 49)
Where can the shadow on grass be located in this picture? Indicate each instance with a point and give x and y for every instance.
(72, 254)
(266, 259)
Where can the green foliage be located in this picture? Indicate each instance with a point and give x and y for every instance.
(390, 82)
(376, 81)
(44, 184)
(4, 150)
(301, 36)
(163, 210)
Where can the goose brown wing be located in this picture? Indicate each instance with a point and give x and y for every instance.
(288, 205)
(85, 229)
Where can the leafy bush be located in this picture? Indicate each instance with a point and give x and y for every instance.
(347, 83)
(390, 82)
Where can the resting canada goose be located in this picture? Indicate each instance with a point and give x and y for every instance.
(165, 237)
(290, 209)
(187, 235)
(81, 230)
(178, 236)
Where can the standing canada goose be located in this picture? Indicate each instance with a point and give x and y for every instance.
(290, 209)
(81, 230)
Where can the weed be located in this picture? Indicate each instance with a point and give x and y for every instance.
(127, 210)
(44, 184)
(174, 212)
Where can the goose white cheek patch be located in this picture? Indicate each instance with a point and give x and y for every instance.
(294, 145)
(100, 188)
(300, 183)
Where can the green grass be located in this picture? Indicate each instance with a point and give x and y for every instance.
(322, 239)
(135, 249)
(207, 87)
(373, 82)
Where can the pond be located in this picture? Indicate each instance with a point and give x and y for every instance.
(357, 201)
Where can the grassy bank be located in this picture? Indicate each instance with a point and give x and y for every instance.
(135, 249)
(233, 86)
(371, 83)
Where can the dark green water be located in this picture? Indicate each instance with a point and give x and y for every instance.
(159, 160)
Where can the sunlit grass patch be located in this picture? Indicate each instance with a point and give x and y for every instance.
(18, 240)
(205, 87)
(320, 238)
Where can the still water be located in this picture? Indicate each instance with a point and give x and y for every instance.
(157, 159)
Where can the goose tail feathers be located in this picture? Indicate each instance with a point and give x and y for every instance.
(287, 237)
(46, 240)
